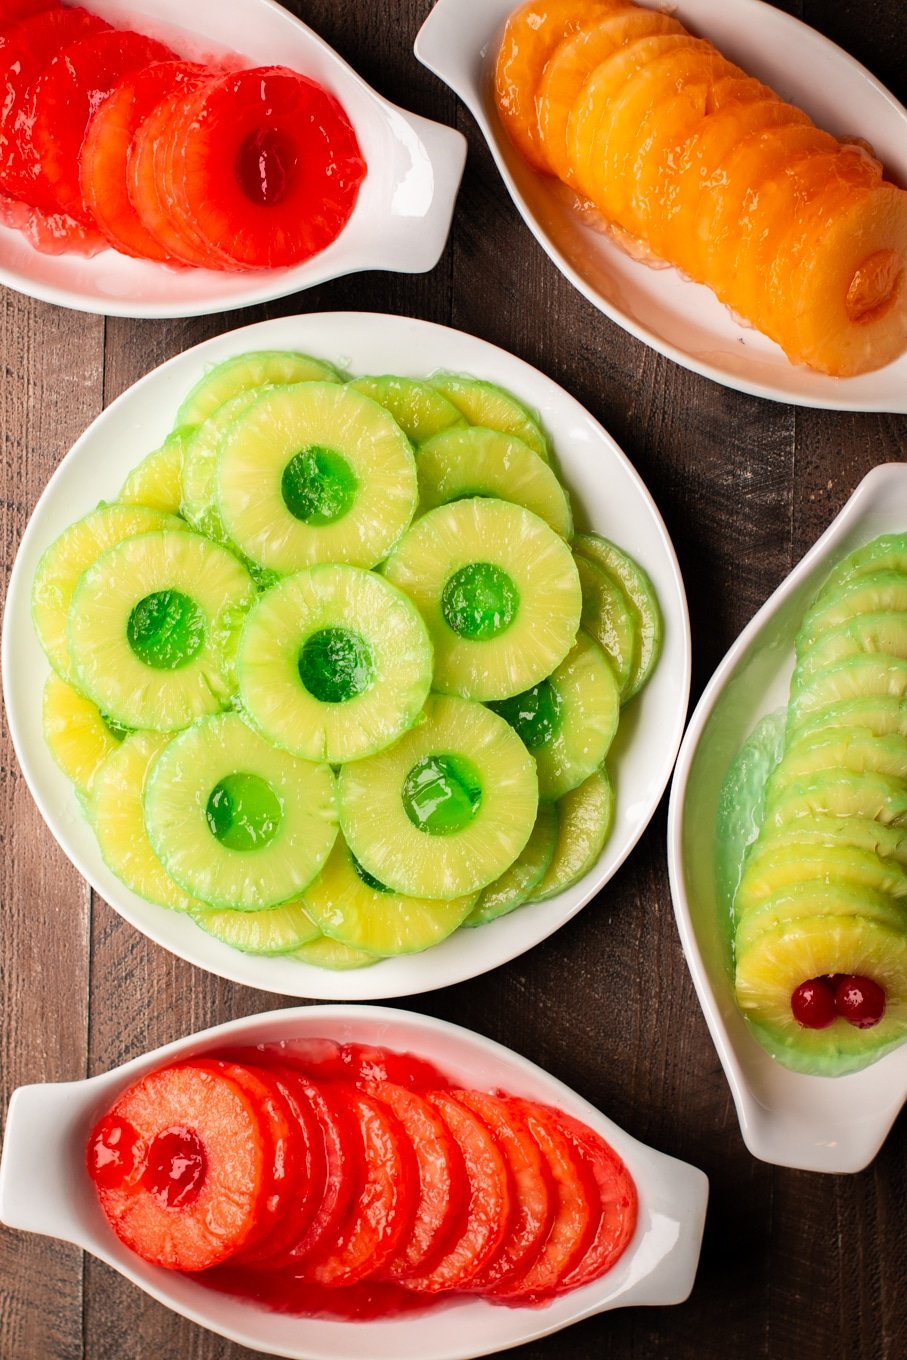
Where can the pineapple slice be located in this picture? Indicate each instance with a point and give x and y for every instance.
(202, 447)
(790, 870)
(584, 820)
(236, 822)
(609, 618)
(841, 748)
(638, 590)
(315, 472)
(532, 34)
(246, 371)
(516, 884)
(499, 591)
(839, 793)
(883, 631)
(275, 930)
(568, 721)
(77, 735)
(870, 592)
(856, 677)
(460, 463)
(444, 811)
(352, 907)
(780, 959)
(484, 403)
(326, 953)
(153, 627)
(886, 716)
(158, 479)
(572, 63)
(334, 663)
(119, 823)
(63, 563)
(419, 410)
(888, 552)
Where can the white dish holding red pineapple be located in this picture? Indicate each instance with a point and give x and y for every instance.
(401, 215)
(45, 1188)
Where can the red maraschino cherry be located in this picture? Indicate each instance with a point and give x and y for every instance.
(860, 1001)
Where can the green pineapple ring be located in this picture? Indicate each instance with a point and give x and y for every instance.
(119, 823)
(447, 808)
(244, 371)
(334, 663)
(78, 737)
(352, 907)
(569, 720)
(72, 553)
(199, 502)
(585, 816)
(157, 481)
(153, 627)
(315, 472)
(499, 591)
(235, 821)
(274, 930)
(418, 409)
(475, 462)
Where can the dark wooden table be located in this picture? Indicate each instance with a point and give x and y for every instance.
(795, 1266)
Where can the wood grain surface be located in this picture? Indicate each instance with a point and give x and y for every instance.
(795, 1266)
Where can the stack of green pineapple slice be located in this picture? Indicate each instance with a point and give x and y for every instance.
(822, 891)
(334, 676)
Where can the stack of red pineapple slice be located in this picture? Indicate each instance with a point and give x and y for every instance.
(108, 139)
(332, 1180)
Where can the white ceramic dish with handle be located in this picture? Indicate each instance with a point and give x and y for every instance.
(401, 219)
(684, 320)
(44, 1188)
(832, 1124)
(608, 496)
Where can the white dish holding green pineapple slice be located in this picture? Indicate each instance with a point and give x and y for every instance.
(608, 497)
(789, 1118)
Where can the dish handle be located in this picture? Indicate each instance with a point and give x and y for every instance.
(662, 1267)
(419, 195)
(43, 1185)
(441, 47)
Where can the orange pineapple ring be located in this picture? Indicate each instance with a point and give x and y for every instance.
(678, 90)
(571, 64)
(755, 160)
(531, 35)
(591, 114)
(809, 184)
(848, 293)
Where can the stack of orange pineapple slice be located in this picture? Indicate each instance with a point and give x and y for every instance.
(795, 231)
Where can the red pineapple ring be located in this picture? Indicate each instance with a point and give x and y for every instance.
(26, 50)
(269, 169)
(104, 156)
(75, 82)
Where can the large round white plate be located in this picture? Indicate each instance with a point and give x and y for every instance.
(608, 496)
(814, 1123)
(684, 320)
(44, 1189)
(400, 222)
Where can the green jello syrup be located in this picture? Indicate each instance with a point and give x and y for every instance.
(166, 630)
(479, 601)
(335, 665)
(367, 878)
(243, 812)
(442, 794)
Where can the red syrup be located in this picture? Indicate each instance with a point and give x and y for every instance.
(283, 1269)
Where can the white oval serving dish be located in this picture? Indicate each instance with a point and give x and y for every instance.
(44, 1188)
(608, 496)
(832, 1124)
(401, 219)
(684, 320)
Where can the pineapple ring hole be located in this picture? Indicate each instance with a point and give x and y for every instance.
(874, 287)
(442, 794)
(166, 630)
(536, 715)
(479, 602)
(335, 665)
(318, 485)
(243, 812)
(175, 1167)
(266, 163)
